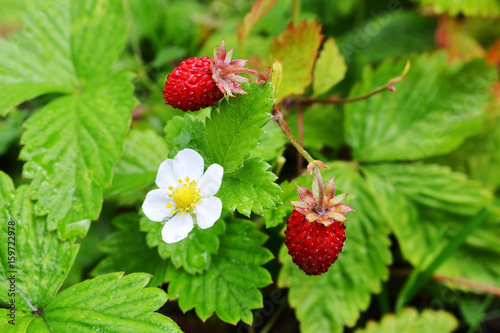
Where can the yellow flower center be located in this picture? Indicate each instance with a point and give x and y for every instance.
(185, 196)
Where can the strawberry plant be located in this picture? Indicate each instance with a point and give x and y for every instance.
(162, 166)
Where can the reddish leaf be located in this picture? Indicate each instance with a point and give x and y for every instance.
(297, 48)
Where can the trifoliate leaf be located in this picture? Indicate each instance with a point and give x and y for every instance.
(187, 132)
(193, 253)
(230, 285)
(345, 290)
(137, 168)
(271, 143)
(431, 114)
(127, 251)
(250, 188)
(233, 130)
(36, 259)
(436, 199)
(52, 54)
(485, 8)
(330, 68)
(108, 303)
(411, 321)
(297, 48)
(71, 145)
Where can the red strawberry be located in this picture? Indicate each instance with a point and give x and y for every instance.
(312, 245)
(191, 86)
(200, 82)
(315, 239)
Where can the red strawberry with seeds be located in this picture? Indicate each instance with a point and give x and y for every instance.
(200, 82)
(315, 239)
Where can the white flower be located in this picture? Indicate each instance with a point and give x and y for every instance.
(185, 195)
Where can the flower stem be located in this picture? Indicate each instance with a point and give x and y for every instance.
(295, 11)
(318, 186)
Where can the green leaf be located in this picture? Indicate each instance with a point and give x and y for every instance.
(250, 188)
(271, 143)
(436, 199)
(193, 253)
(230, 285)
(435, 186)
(345, 290)
(288, 193)
(71, 145)
(297, 48)
(127, 251)
(322, 126)
(479, 156)
(411, 321)
(38, 260)
(38, 60)
(187, 132)
(20, 323)
(10, 130)
(110, 303)
(98, 34)
(431, 114)
(137, 168)
(7, 190)
(330, 68)
(233, 130)
(484, 8)
(53, 52)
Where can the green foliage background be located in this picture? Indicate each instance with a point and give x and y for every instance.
(85, 128)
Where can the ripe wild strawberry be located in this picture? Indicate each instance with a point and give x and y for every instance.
(200, 82)
(315, 239)
(190, 86)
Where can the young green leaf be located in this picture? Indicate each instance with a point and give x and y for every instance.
(433, 111)
(194, 253)
(71, 145)
(230, 285)
(330, 68)
(250, 188)
(110, 303)
(127, 251)
(297, 48)
(411, 321)
(137, 168)
(345, 290)
(485, 8)
(36, 258)
(234, 130)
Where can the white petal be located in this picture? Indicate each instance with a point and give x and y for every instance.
(177, 228)
(166, 176)
(207, 211)
(155, 205)
(210, 182)
(188, 163)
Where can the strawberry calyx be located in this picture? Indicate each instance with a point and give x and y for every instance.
(332, 208)
(225, 72)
